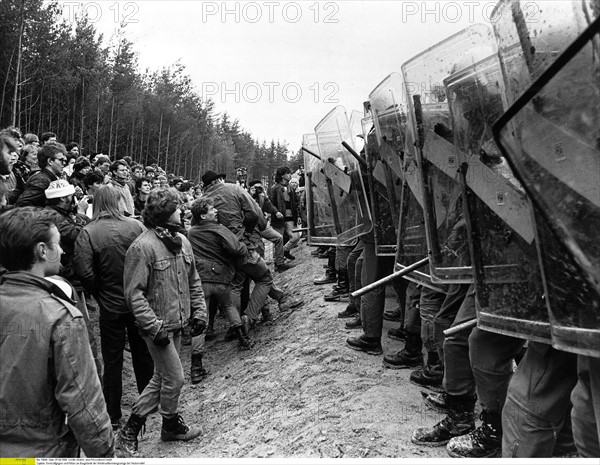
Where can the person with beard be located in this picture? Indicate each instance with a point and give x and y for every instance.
(164, 291)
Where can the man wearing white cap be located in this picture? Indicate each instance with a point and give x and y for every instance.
(59, 199)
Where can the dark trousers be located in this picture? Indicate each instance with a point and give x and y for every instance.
(372, 303)
(535, 418)
(113, 331)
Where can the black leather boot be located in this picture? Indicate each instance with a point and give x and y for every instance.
(126, 443)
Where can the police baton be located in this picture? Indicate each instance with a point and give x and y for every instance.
(387, 279)
(461, 327)
(310, 152)
(361, 160)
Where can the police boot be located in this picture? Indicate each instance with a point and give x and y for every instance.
(397, 334)
(126, 443)
(175, 429)
(341, 289)
(409, 357)
(485, 441)
(350, 312)
(330, 277)
(431, 375)
(197, 371)
(459, 421)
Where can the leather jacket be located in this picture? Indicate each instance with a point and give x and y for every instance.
(99, 259)
(238, 212)
(50, 395)
(161, 287)
(216, 249)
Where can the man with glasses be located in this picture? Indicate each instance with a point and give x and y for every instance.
(52, 159)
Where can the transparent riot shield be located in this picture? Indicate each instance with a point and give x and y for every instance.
(402, 180)
(508, 277)
(352, 216)
(386, 125)
(551, 135)
(320, 218)
(443, 201)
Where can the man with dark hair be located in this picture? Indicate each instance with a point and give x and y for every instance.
(137, 172)
(49, 388)
(215, 250)
(99, 261)
(81, 168)
(258, 193)
(52, 158)
(286, 201)
(238, 212)
(48, 137)
(120, 176)
(162, 289)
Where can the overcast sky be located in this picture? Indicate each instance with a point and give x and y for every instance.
(279, 67)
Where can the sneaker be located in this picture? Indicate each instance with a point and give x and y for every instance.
(283, 267)
(327, 279)
(485, 441)
(453, 425)
(392, 315)
(175, 429)
(397, 334)
(350, 312)
(116, 425)
(289, 256)
(427, 378)
(354, 324)
(364, 344)
(403, 359)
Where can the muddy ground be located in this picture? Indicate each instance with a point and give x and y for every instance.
(300, 392)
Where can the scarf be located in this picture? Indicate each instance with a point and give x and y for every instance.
(168, 235)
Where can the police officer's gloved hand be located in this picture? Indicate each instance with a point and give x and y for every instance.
(197, 327)
(162, 338)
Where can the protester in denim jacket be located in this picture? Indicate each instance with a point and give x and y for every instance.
(162, 289)
(50, 395)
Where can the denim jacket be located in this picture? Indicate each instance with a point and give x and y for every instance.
(47, 375)
(162, 288)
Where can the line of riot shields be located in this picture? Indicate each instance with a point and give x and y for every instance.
(482, 155)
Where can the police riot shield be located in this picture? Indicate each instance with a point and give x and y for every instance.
(320, 218)
(508, 277)
(551, 136)
(343, 173)
(429, 117)
(386, 144)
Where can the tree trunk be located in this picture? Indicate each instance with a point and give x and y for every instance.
(18, 71)
(159, 137)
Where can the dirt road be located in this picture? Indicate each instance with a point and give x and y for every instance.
(300, 392)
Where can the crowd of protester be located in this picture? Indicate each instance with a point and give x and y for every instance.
(160, 255)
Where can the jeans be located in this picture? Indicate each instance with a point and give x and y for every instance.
(112, 342)
(277, 239)
(492, 356)
(165, 386)
(286, 230)
(263, 284)
(535, 418)
(586, 407)
(222, 293)
(354, 270)
(372, 304)
(412, 316)
(458, 376)
(430, 303)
